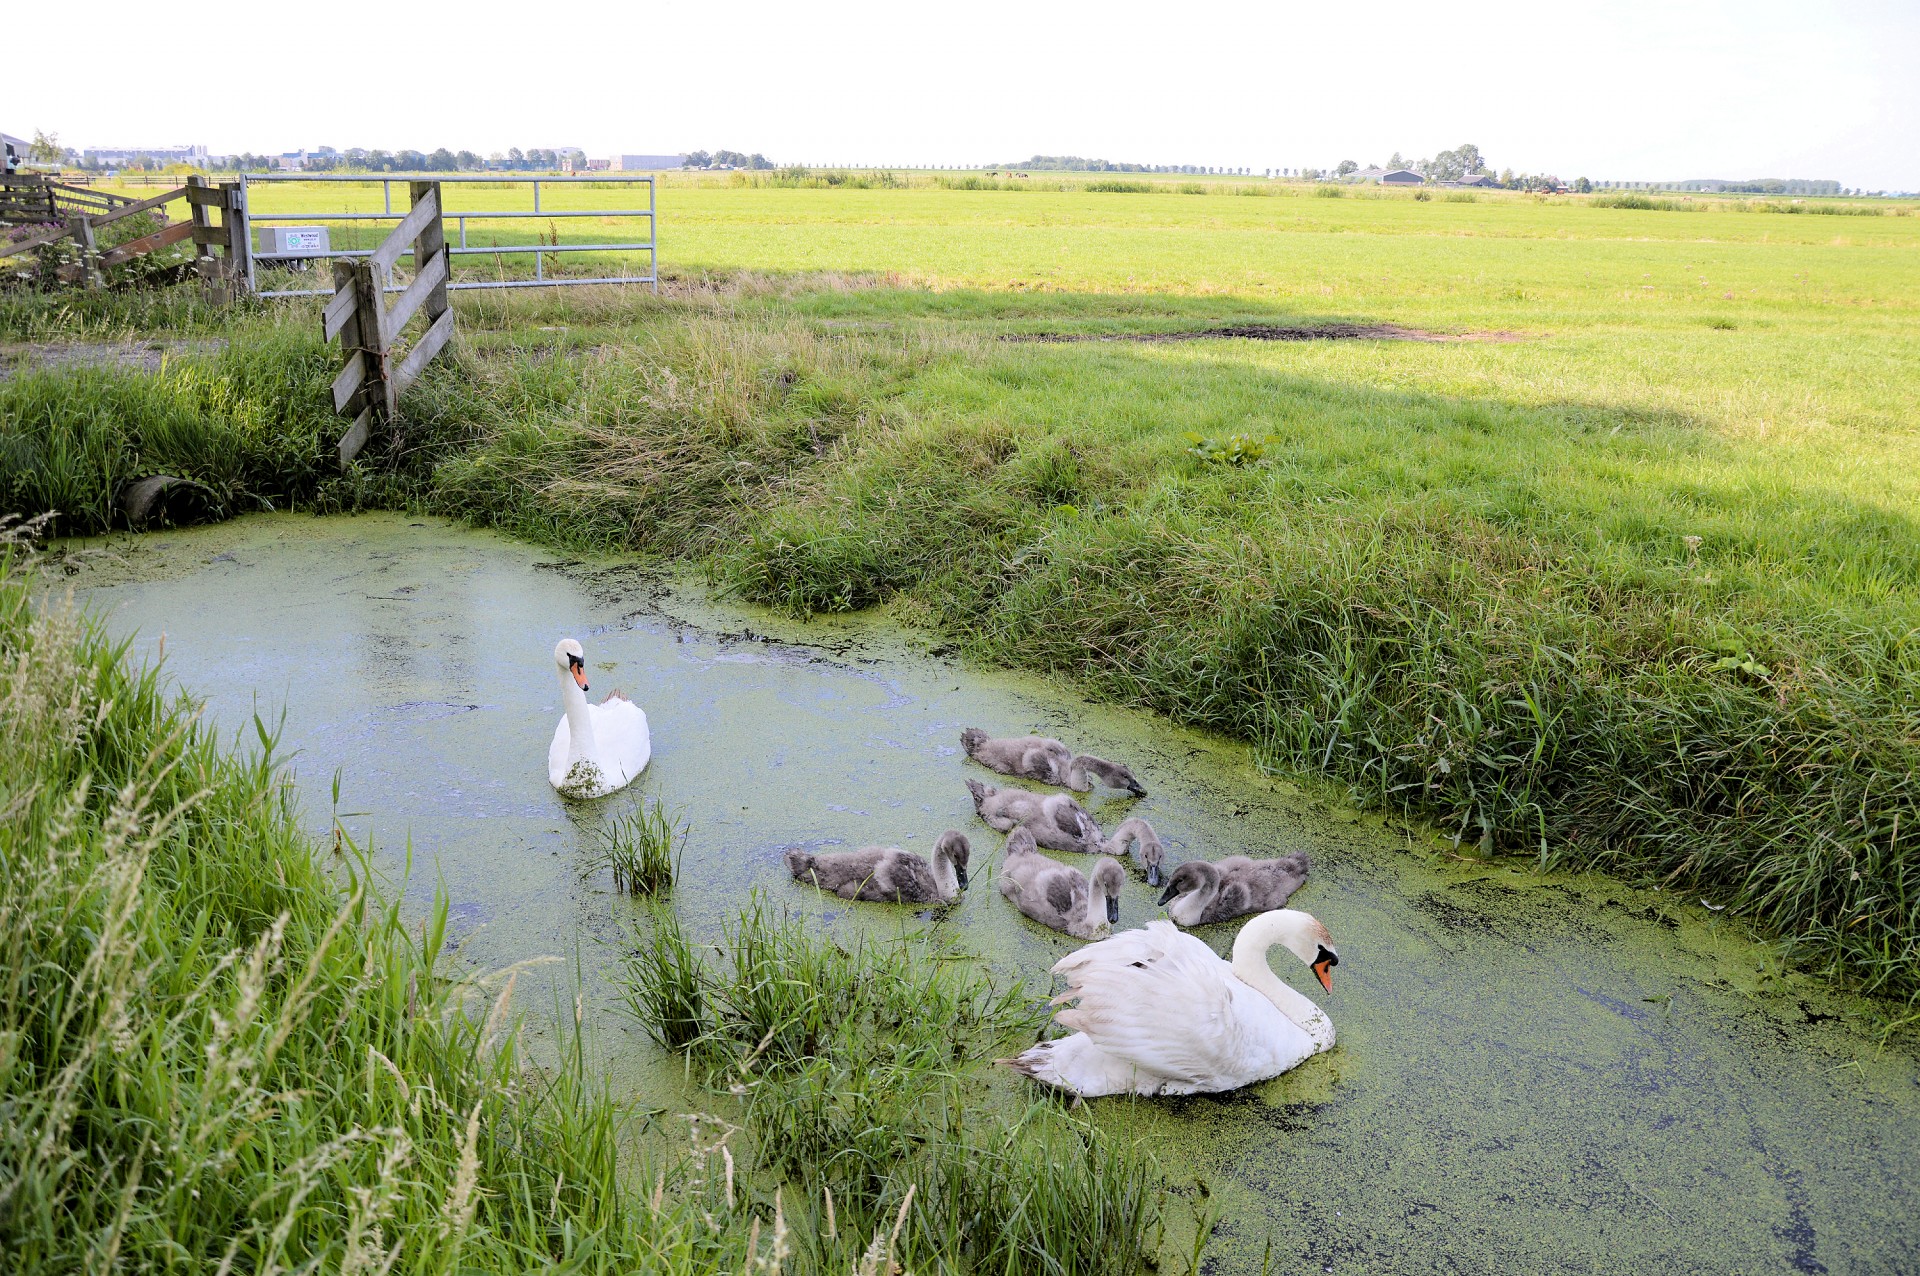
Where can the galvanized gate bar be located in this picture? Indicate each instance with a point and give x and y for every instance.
(650, 245)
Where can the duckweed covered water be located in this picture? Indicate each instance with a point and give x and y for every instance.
(1534, 1073)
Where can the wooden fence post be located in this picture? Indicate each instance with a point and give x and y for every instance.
(81, 228)
(432, 243)
(212, 287)
(239, 238)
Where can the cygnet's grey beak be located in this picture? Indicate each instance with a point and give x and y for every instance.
(1135, 789)
(1166, 895)
(1113, 911)
(1153, 876)
(961, 874)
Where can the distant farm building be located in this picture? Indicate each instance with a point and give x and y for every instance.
(1477, 179)
(646, 163)
(1401, 177)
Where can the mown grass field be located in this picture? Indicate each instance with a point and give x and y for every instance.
(1621, 573)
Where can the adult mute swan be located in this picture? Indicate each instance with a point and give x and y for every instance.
(1036, 757)
(1158, 1013)
(887, 874)
(598, 748)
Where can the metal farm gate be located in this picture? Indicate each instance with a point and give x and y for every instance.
(374, 372)
(459, 246)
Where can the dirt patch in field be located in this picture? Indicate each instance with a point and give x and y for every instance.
(1274, 332)
(146, 356)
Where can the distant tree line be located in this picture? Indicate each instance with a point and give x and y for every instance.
(727, 159)
(1078, 164)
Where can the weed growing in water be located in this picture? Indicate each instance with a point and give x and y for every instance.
(642, 849)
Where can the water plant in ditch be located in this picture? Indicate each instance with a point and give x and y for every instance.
(642, 849)
(852, 1073)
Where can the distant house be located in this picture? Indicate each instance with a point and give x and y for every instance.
(290, 161)
(13, 151)
(647, 163)
(599, 165)
(1401, 177)
(1477, 179)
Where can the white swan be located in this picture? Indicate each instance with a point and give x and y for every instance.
(597, 748)
(1158, 1013)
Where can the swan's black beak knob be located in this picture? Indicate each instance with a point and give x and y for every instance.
(1166, 895)
(1113, 911)
(1153, 876)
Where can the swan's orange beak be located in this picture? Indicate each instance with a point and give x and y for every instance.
(580, 676)
(1324, 969)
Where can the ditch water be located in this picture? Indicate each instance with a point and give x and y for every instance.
(1534, 1073)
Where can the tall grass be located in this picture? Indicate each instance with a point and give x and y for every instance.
(854, 1076)
(1114, 186)
(219, 1054)
(251, 424)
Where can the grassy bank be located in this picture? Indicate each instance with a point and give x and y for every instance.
(218, 1052)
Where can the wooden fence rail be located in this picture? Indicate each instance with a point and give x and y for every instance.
(224, 276)
(30, 198)
(369, 386)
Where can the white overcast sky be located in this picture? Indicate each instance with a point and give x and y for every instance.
(1619, 89)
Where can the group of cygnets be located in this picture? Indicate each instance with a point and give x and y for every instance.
(1157, 1012)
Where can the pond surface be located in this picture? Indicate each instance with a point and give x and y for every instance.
(1534, 1073)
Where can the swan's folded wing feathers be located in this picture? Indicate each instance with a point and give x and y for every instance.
(1159, 999)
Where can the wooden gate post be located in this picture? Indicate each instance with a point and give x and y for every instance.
(81, 228)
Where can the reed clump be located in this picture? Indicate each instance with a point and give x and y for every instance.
(641, 850)
(851, 1070)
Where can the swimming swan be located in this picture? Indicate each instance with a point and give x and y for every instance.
(1058, 896)
(886, 874)
(598, 748)
(1036, 757)
(1139, 832)
(1158, 1013)
(1056, 820)
(1203, 892)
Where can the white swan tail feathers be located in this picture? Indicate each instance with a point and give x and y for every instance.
(1078, 1066)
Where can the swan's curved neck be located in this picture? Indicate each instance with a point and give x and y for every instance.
(945, 878)
(580, 741)
(1078, 768)
(1189, 908)
(1096, 904)
(1250, 968)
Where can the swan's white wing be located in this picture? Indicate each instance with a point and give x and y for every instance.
(621, 736)
(1160, 1000)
